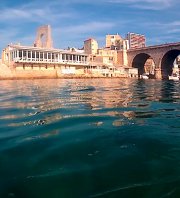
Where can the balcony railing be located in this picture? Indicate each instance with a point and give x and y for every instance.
(57, 61)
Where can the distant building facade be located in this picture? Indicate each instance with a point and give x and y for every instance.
(122, 53)
(110, 60)
(28, 61)
(106, 56)
(43, 61)
(136, 40)
(114, 52)
(149, 66)
(113, 40)
(90, 46)
(178, 61)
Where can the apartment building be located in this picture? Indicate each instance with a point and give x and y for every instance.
(136, 40)
(113, 41)
(90, 46)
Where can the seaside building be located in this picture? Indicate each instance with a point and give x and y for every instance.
(113, 41)
(176, 66)
(112, 58)
(26, 54)
(27, 58)
(136, 40)
(114, 53)
(107, 56)
(90, 46)
(149, 66)
(177, 61)
(122, 53)
(43, 61)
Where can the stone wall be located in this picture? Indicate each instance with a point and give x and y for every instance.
(5, 71)
(27, 72)
(22, 71)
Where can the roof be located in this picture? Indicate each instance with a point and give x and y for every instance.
(89, 39)
(45, 49)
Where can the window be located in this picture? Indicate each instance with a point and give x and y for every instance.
(29, 54)
(20, 53)
(33, 54)
(41, 55)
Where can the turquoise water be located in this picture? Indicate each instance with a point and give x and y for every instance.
(90, 138)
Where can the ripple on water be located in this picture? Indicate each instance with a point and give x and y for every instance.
(119, 138)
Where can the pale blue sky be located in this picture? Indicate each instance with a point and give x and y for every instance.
(73, 21)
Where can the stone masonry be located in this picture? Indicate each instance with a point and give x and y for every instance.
(162, 55)
(43, 37)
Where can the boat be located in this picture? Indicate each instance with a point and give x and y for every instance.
(174, 76)
(144, 76)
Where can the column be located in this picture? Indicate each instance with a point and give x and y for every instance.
(84, 59)
(72, 56)
(31, 56)
(158, 73)
(12, 55)
(35, 56)
(43, 56)
(18, 54)
(27, 55)
(61, 57)
(23, 55)
(67, 57)
(47, 56)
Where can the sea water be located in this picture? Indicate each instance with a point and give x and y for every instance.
(89, 138)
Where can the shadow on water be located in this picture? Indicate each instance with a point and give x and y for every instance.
(168, 91)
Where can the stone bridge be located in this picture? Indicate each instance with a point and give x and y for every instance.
(162, 55)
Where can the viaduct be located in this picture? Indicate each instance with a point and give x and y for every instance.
(162, 55)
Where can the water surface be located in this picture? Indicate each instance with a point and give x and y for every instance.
(89, 138)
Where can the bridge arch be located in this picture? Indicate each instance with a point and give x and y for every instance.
(168, 61)
(139, 62)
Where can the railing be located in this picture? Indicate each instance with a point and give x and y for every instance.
(154, 46)
(37, 60)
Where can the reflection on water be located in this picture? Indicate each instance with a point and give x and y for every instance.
(89, 138)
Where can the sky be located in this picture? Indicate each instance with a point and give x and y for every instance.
(73, 21)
